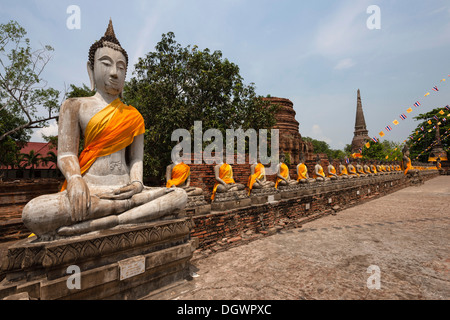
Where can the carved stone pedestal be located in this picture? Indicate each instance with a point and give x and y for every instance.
(197, 205)
(230, 200)
(261, 196)
(127, 262)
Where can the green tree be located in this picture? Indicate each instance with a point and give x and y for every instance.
(51, 157)
(323, 147)
(32, 159)
(175, 86)
(384, 150)
(23, 93)
(423, 139)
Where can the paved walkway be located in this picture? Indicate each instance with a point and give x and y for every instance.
(405, 234)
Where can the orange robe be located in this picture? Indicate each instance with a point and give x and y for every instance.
(333, 170)
(321, 174)
(343, 171)
(373, 169)
(284, 172)
(180, 173)
(302, 172)
(260, 172)
(226, 174)
(110, 130)
(408, 166)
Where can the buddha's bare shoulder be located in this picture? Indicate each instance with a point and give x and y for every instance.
(77, 104)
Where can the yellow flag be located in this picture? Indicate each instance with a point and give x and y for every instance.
(368, 145)
(439, 123)
(427, 94)
(387, 157)
(395, 122)
(429, 122)
(442, 112)
(429, 130)
(409, 110)
(442, 80)
(382, 134)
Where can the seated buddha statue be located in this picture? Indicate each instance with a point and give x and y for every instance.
(360, 169)
(178, 175)
(283, 177)
(302, 171)
(367, 170)
(104, 184)
(319, 175)
(257, 178)
(223, 173)
(343, 173)
(373, 168)
(331, 170)
(352, 170)
(407, 163)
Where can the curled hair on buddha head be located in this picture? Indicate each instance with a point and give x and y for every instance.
(108, 40)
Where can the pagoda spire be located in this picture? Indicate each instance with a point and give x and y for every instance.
(361, 134)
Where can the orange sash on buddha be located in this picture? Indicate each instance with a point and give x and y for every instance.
(284, 172)
(110, 130)
(344, 171)
(180, 173)
(333, 171)
(374, 169)
(226, 174)
(259, 174)
(408, 166)
(320, 173)
(302, 172)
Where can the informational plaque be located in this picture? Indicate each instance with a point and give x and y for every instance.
(131, 267)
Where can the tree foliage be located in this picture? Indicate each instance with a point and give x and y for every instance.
(175, 86)
(23, 93)
(422, 140)
(384, 150)
(323, 147)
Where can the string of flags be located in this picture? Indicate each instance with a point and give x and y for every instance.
(403, 117)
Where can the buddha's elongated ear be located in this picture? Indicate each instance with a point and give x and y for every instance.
(90, 71)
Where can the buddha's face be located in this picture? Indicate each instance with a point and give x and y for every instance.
(109, 71)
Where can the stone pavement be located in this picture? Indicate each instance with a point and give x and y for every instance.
(406, 234)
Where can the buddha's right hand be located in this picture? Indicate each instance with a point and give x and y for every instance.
(79, 198)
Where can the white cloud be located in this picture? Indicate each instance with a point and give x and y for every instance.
(51, 130)
(344, 64)
(317, 134)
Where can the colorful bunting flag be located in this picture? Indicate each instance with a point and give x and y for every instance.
(375, 139)
(435, 88)
(388, 128)
(382, 134)
(395, 122)
(429, 122)
(368, 145)
(417, 103)
(426, 94)
(403, 116)
(409, 110)
(442, 112)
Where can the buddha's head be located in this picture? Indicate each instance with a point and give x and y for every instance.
(107, 65)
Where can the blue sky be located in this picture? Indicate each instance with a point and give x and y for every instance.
(315, 53)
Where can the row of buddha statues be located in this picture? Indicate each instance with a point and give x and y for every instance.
(178, 175)
(104, 186)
